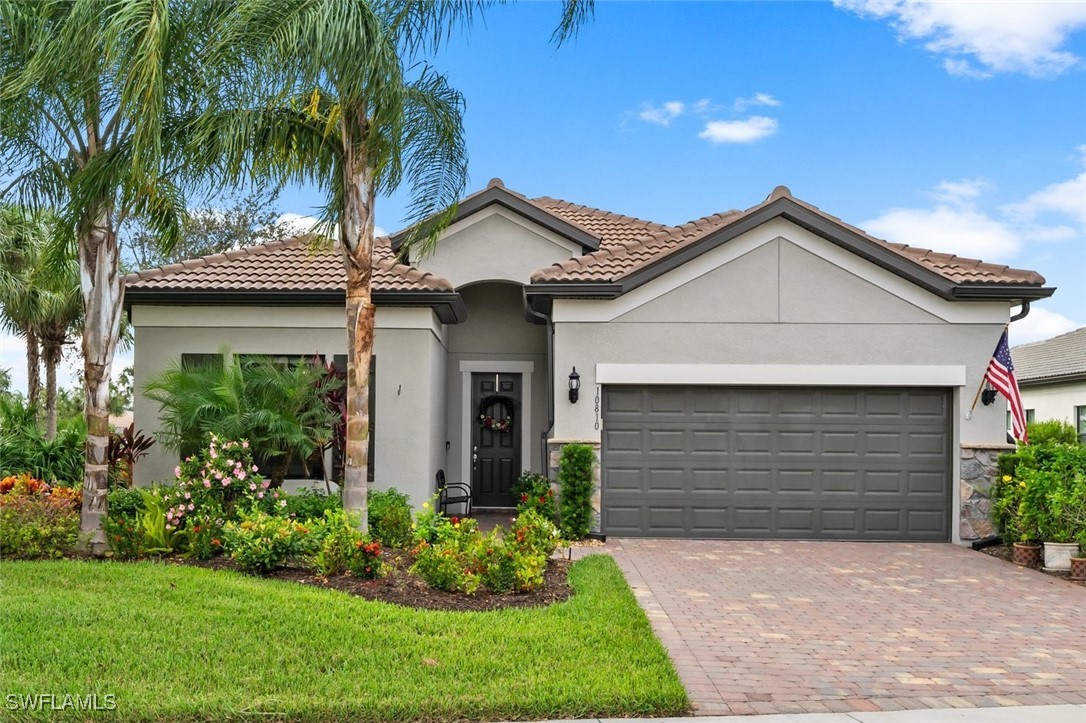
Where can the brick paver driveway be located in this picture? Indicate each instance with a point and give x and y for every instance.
(792, 627)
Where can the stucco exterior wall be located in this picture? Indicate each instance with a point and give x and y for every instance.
(495, 245)
(494, 336)
(408, 344)
(1053, 401)
(784, 297)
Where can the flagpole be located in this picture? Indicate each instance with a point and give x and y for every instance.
(984, 378)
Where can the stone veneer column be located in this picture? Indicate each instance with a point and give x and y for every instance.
(978, 470)
(554, 452)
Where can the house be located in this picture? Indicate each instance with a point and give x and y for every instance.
(1052, 378)
(768, 373)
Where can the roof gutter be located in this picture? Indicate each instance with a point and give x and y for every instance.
(1023, 313)
(545, 434)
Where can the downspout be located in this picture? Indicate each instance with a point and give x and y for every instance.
(550, 381)
(1023, 313)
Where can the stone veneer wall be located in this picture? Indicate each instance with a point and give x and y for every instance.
(554, 452)
(978, 470)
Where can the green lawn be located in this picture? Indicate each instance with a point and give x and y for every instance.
(186, 643)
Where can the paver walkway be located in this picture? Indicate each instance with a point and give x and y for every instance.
(820, 627)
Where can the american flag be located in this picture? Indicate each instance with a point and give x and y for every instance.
(1000, 375)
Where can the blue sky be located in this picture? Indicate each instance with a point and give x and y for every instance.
(950, 126)
(959, 126)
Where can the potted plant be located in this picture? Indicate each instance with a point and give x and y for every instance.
(1061, 515)
(1014, 520)
(1078, 564)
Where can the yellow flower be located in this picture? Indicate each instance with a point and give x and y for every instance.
(1006, 478)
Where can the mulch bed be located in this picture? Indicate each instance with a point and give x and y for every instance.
(1004, 552)
(400, 587)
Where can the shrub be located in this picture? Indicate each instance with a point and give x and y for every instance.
(534, 492)
(124, 502)
(429, 522)
(389, 515)
(575, 477)
(343, 548)
(25, 450)
(309, 504)
(1051, 431)
(451, 561)
(203, 533)
(37, 520)
(261, 542)
(533, 532)
(1037, 495)
(220, 479)
(125, 449)
(125, 537)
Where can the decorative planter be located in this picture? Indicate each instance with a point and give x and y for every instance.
(1058, 555)
(1026, 553)
(1078, 569)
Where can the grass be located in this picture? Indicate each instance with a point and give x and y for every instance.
(183, 643)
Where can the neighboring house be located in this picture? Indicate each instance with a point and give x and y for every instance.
(770, 373)
(1052, 378)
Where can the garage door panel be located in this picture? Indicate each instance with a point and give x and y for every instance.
(773, 463)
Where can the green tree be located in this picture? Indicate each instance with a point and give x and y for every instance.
(336, 95)
(94, 103)
(243, 220)
(40, 297)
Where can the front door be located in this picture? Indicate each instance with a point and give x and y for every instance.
(495, 438)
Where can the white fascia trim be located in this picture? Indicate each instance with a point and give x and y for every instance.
(467, 414)
(284, 317)
(574, 249)
(831, 375)
(391, 317)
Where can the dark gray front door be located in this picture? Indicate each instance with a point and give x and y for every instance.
(495, 439)
(799, 463)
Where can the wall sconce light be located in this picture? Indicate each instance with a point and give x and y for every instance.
(988, 396)
(574, 386)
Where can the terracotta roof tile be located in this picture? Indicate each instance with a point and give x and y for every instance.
(283, 266)
(1061, 356)
(626, 251)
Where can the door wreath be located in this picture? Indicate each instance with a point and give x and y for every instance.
(502, 419)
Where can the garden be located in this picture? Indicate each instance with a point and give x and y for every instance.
(1039, 502)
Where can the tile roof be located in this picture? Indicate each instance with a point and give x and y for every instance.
(1061, 356)
(629, 251)
(284, 266)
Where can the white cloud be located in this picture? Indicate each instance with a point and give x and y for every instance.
(1040, 324)
(748, 130)
(961, 192)
(758, 99)
(981, 38)
(962, 231)
(297, 223)
(661, 115)
(702, 106)
(1067, 198)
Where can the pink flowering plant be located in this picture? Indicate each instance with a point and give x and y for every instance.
(221, 479)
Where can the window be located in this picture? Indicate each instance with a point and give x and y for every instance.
(1080, 423)
(1029, 416)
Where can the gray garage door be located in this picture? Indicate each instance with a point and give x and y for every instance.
(777, 463)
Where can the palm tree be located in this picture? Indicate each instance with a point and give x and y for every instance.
(93, 102)
(40, 299)
(338, 98)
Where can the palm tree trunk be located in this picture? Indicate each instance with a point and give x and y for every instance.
(52, 359)
(103, 296)
(33, 368)
(356, 238)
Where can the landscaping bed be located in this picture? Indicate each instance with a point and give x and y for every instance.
(401, 587)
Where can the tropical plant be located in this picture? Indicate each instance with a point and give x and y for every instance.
(161, 535)
(125, 449)
(24, 448)
(37, 520)
(278, 408)
(260, 542)
(94, 103)
(39, 297)
(534, 492)
(308, 504)
(344, 548)
(333, 94)
(575, 467)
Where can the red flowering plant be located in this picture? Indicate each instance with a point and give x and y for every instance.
(534, 492)
(340, 547)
